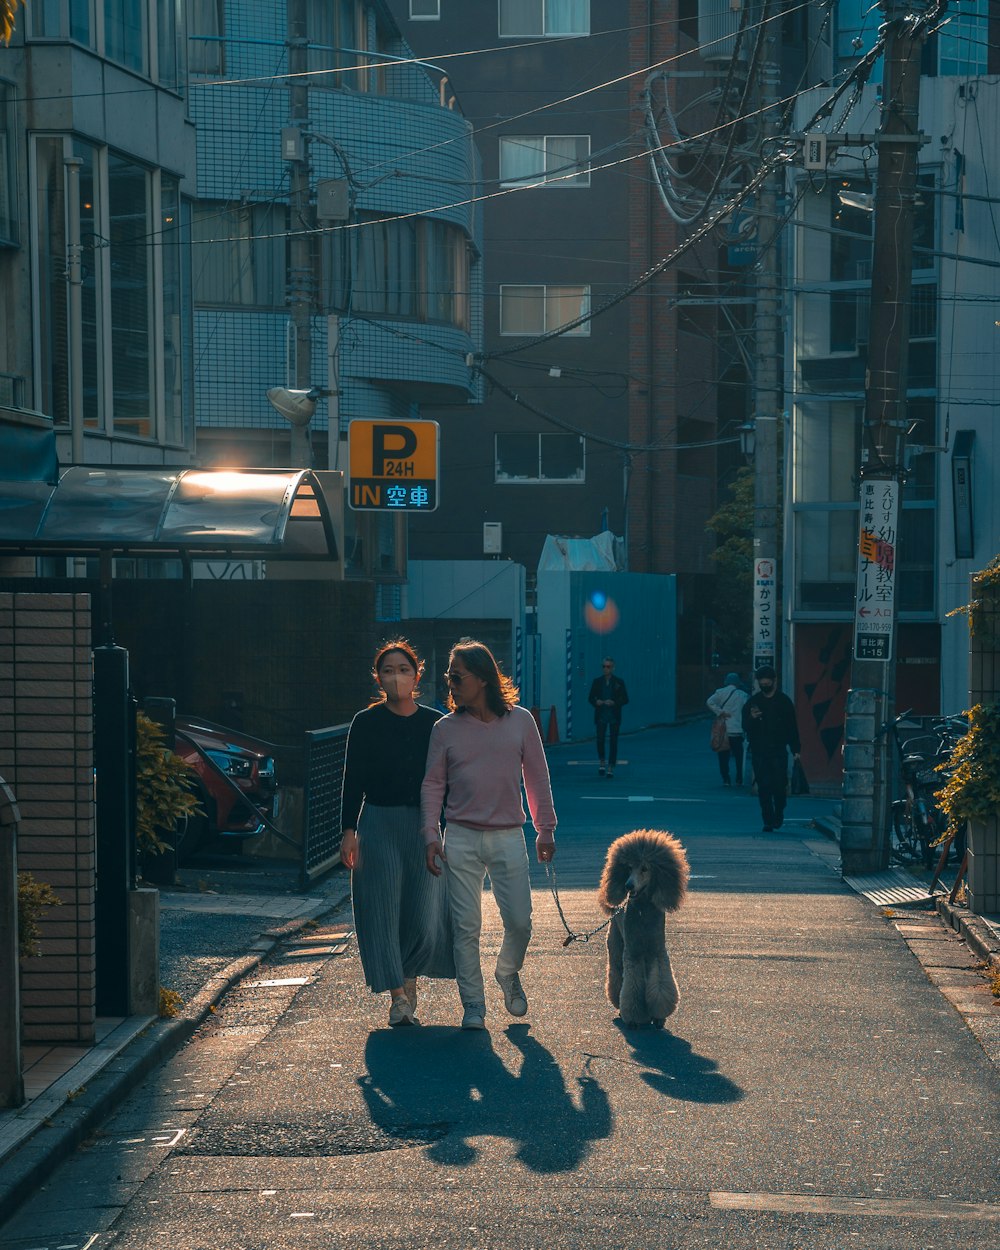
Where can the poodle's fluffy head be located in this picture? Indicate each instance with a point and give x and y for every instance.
(647, 861)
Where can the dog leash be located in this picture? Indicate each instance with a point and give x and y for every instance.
(572, 937)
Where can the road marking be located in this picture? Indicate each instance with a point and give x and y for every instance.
(257, 985)
(636, 798)
(827, 1204)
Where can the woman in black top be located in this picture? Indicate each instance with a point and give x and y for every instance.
(400, 910)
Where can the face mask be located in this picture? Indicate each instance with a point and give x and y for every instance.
(766, 687)
(398, 685)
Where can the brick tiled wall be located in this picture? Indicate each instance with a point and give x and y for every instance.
(46, 756)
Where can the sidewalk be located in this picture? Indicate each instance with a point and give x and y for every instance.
(209, 940)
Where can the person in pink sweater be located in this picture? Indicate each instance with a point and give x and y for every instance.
(478, 757)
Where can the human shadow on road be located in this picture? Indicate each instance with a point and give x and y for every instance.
(439, 1076)
(678, 1070)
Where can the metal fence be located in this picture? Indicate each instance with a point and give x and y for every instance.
(11, 1082)
(326, 750)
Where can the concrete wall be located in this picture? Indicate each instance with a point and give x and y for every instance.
(46, 756)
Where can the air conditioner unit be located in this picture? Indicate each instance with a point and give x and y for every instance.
(492, 538)
(718, 24)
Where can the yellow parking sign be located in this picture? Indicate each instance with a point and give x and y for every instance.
(393, 466)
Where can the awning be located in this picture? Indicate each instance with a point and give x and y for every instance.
(192, 513)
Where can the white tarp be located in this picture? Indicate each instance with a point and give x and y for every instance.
(601, 554)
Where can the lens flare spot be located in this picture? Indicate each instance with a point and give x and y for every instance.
(603, 619)
(599, 599)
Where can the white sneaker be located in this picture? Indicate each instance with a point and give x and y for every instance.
(400, 1012)
(410, 990)
(474, 1017)
(514, 997)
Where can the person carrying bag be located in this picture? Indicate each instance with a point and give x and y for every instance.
(727, 729)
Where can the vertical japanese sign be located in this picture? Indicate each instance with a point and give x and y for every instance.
(874, 600)
(764, 611)
(393, 466)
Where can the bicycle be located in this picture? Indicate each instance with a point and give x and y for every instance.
(917, 823)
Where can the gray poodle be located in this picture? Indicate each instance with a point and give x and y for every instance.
(650, 869)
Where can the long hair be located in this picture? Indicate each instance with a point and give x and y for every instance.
(405, 649)
(501, 693)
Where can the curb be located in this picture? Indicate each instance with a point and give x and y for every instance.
(973, 929)
(32, 1161)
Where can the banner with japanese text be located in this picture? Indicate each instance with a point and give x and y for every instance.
(874, 603)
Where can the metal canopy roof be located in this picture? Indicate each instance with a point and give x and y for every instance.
(194, 513)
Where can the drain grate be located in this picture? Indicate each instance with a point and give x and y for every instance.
(334, 1136)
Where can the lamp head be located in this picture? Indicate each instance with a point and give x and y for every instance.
(748, 439)
(295, 406)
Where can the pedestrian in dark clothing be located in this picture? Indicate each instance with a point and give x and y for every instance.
(607, 697)
(401, 914)
(771, 730)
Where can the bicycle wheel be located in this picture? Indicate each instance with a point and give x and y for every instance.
(905, 844)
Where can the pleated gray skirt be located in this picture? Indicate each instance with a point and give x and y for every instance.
(401, 913)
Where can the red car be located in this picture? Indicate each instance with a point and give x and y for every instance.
(236, 783)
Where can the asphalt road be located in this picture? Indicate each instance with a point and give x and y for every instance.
(815, 1089)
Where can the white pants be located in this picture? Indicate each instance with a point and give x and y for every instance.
(471, 854)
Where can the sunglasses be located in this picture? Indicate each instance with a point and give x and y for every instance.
(455, 679)
(607, 666)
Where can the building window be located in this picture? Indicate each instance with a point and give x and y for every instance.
(538, 309)
(8, 194)
(124, 33)
(412, 268)
(55, 19)
(386, 260)
(337, 32)
(826, 547)
(130, 292)
(549, 18)
(51, 253)
(539, 458)
(178, 346)
(206, 30)
(136, 325)
(963, 41)
(239, 255)
(827, 447)
(169, 45)
(425, 10)
(557, 159)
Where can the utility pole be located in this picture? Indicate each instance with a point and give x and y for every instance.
(870, 701)
(300, 265)
(767, 396)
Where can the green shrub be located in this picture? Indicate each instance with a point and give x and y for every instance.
(973, 788)
(163, 787)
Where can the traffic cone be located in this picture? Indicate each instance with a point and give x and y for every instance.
(552, 738)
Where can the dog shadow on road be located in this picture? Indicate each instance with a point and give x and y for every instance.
(676, 1068)
(458, 1082)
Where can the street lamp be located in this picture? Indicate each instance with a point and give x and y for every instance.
(297, 407)
(748, 440)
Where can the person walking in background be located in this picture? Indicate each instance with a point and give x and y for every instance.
(607, 697)
(478, 757)
(400, 913)
(772, 731)
(728, 701)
